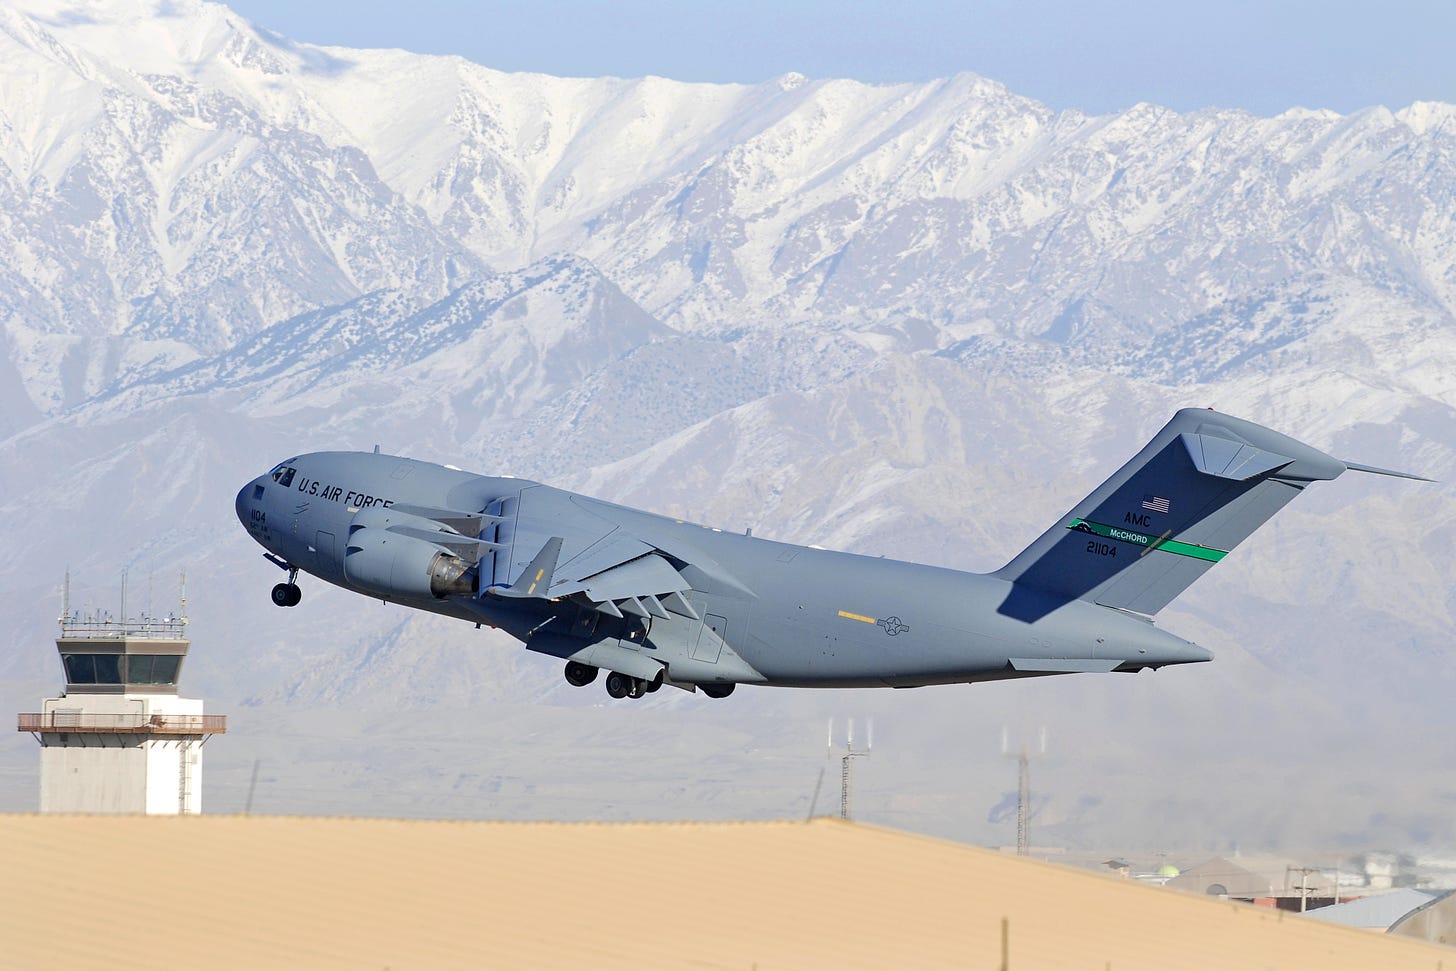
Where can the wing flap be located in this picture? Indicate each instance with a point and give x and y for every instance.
(649, 574)
(648, 586)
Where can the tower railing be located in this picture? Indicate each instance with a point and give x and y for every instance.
(127, 723)
(101, 625)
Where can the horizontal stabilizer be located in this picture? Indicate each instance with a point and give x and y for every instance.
(1229, 459)
(1065, 665)
(1357, 467)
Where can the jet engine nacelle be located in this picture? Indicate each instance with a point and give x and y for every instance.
(388, 564)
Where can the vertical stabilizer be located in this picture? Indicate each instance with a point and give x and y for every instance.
(1203, 484)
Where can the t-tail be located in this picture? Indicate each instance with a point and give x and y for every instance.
(1203, 484)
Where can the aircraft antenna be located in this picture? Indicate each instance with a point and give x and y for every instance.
(66, 602)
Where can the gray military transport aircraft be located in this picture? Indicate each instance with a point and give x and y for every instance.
(655, 601)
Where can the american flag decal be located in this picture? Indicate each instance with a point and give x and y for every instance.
(1155, 503)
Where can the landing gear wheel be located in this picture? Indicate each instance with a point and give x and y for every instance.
(287, 595)
(580, 675)
(653, 685)
(618, 685)
(718, 690)
(637, 689)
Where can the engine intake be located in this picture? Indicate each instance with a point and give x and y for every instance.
(388, 564)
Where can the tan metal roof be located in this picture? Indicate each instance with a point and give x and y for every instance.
(259, 891)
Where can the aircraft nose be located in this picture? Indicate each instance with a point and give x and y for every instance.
(243, 504)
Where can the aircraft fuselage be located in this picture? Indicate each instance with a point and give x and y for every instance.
(754, 610)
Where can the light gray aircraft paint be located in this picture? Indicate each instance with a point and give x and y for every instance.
(657, 601)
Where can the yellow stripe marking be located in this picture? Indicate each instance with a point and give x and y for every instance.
(859, 617)
(1156, 543)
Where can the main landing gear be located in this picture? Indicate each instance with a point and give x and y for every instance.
(625, 686)
(580, 675)
(618, 685)
(285, 594)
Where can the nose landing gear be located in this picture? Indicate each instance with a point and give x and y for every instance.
(285, 594)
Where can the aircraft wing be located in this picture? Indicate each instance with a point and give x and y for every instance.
(598, 562)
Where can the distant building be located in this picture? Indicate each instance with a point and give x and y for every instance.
(1433, 921)
(1269, 881)
(119, 739)
(1375, 912)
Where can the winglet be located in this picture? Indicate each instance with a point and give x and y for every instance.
(535, 579)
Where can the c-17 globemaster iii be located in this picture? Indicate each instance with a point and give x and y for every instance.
(654, 601)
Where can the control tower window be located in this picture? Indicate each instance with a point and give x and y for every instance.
(92, 668)
(108, 669)
(152, 668)
(80, 668)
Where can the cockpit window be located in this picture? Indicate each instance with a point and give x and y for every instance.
(283, 474)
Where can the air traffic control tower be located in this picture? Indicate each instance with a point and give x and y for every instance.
(119, 739)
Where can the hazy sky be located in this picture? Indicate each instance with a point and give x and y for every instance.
(1262, 55)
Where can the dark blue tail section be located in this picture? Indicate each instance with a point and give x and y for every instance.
(1197, 490)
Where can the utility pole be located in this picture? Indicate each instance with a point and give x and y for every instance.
(1304, 887)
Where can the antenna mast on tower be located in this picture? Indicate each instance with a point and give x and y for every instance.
(846, 766)
(1023, 794)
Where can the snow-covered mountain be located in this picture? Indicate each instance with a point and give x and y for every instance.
(917, 320)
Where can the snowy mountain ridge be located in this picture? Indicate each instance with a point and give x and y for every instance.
(712, 206)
